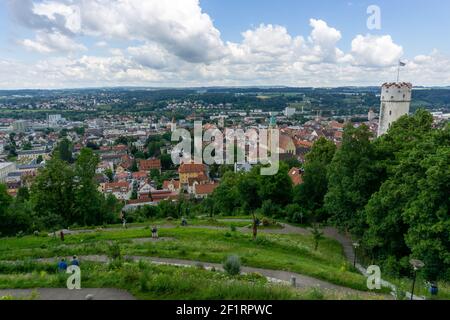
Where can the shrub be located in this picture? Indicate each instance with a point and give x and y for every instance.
(266, 222)
(232, 265)
(114, 252)
(233, 228)
(200, 266)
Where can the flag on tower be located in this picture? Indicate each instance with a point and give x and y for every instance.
(401, 64)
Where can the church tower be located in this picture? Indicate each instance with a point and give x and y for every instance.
(395, 103)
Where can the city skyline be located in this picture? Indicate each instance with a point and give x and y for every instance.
(76, 44)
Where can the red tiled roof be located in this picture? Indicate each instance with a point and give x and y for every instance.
(117, 186)
(296, 176)
(303, 143)
(151, 164)
(192, 168)
(176, 184)
(205, 188)
(139, 175)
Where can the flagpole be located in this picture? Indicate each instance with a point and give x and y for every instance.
(398, 72)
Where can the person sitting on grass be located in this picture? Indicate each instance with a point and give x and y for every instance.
(154, 232)
(62, 265)
(75, 261)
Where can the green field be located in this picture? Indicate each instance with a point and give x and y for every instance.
(203, 242)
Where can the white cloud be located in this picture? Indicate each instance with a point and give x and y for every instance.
(52, 42)
(378, 51)
(174, 42)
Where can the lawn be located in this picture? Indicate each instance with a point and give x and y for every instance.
(289, 252)
(271, 251)
(148, 281)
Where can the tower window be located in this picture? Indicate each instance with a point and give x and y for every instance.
(390, 112)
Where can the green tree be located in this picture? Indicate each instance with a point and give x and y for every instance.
(277, 188)
(311, 193)
(317, 235)
(64, 151)
(88, 200)
(352, 179)
(52, 194)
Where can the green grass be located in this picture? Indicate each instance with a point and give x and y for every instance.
(278, 252)
(147, 281)
(213, 222)
(287, 252)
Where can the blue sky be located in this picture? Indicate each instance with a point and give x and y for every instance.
(73, 43)
(420, 25)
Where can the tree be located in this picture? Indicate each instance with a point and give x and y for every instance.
(317, 235)
(277, 188)
(88, 200)
(311, 193)
(110, 174)
(408, 216)
(5, 199)
(248, 187)
(52, 194)
(134, 166)
(352, 179)
(23, 194)
(64, 151)
(166, 161)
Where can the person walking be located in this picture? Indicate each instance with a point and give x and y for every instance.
(61, 235)
(154, 232)
(75, 261)
(62, 265)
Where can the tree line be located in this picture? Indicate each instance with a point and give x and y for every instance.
(389, 193)
(64, 194)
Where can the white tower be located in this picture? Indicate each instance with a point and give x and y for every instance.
(395, 103)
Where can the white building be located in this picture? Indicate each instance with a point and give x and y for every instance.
(395, 103)
(5, 169)
(53, 119)
(371, 115)
(289, 112)
(20, 126)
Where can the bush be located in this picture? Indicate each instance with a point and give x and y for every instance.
(270, 209)
(233, 228)
(232, 265)
(114, 252)
(266, 222)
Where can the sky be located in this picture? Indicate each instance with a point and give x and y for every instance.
(191, 43)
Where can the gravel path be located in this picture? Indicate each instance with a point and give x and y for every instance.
(65, 294)
(277, 276)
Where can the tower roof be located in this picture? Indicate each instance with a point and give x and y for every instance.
(397, 85)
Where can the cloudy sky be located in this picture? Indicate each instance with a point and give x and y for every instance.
(177, 43)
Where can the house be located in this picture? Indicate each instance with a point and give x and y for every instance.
(5, 169)
(204, 190)
(139, 176)
(160, 195)
(191, 170)
(149, 165)
(172, 185)
(121, 190)
(296, 175)
(144, 191)
(286, 145)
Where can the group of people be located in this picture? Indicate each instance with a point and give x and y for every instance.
(62, 264)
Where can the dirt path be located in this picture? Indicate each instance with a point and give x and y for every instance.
(277, 276)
